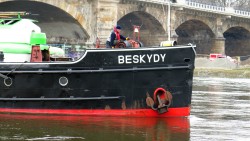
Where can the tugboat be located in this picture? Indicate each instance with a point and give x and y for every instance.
(153, 81)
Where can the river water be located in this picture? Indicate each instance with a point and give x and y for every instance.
(220, 112)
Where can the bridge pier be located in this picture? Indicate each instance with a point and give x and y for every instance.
(106, 18)
(218, 45)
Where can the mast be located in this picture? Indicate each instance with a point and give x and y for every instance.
(168, 23)
(169, 42)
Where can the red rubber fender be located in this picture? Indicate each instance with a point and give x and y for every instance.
(161, 92)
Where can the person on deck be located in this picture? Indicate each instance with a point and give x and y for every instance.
(115, 37)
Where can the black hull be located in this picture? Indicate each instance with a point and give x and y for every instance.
(102, 79)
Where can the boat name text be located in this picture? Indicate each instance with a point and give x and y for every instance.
(140, 59)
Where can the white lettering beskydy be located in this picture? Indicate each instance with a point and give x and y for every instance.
(141, 59)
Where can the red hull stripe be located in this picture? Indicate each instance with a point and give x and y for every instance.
(172, 112)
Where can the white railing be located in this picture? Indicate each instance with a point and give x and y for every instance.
(155, 1)
(204, 7)
(244, 13)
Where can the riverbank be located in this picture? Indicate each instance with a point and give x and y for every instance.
(221, 67)
(228, 73)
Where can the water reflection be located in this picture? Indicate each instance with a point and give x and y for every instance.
(34, 127)
(220, 109)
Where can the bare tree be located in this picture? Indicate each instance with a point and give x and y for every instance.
(242, 5)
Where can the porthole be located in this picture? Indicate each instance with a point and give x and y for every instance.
(63, 81)
(8, 81)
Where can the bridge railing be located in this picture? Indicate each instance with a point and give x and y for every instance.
(201, 6)
(205, 6)
(244, 13)
(156, 1)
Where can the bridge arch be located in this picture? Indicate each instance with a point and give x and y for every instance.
(197, 32)
(61, 21)
(237, 40)
(151, 30)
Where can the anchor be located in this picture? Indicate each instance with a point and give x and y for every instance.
(161, 102)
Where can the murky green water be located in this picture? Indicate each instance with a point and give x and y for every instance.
(27, 127)
(220, 111)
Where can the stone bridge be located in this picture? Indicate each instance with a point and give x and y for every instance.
(80, 22)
